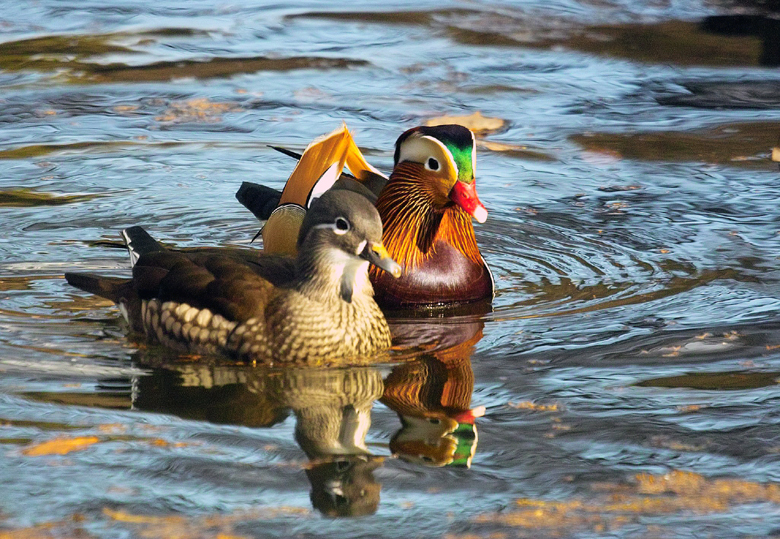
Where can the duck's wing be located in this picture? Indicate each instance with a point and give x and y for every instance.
(321, 165)
(319, 169)
(231, 287)
(236, 284)
(262, 200)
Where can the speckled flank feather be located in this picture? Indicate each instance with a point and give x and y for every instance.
(338, 328)
(183, 327)
(292, 329)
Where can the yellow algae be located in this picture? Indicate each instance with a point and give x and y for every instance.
(663, 441)
(528, 405)
(112, 428)
(122, 516)
(60, 446)
(196, 110)
(182, 527)
(689, 408)
(494, 535)
(61, 529)
(125, 109)
(476, 122)
(613, 505)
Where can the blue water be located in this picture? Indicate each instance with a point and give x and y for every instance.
(634, 239)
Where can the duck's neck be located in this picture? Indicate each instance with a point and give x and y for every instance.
(413, 223)
(332, 276)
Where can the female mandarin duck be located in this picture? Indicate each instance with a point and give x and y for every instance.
(317, 310)
(426, 208)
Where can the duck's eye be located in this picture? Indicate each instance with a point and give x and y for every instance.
(342, 225)
(432, 164)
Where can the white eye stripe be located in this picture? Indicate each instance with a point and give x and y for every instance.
(360, 247)
(338, 227)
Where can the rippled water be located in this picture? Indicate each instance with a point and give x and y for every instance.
(625, 381)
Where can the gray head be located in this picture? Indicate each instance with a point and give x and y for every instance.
(340, 232)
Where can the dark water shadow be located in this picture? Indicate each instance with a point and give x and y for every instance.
(766, 29)
(75, 55)
(727, 40)
(27, 198)
(731, 95)
(744, 145)
(717, 381)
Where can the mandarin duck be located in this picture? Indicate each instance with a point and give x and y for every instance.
(320, 309)
(426, 208)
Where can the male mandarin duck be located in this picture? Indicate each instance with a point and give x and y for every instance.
(426, 208)
(320, 308)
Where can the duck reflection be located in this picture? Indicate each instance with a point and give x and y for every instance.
(430, 391)
(332, 408)
(432, 397)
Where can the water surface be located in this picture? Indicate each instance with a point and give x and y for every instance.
(624, 382)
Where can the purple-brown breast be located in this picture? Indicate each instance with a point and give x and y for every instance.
(446, 277)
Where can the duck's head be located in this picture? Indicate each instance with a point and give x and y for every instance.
(443, 160)
(340, 235)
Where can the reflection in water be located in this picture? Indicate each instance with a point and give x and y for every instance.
(332, 410)
(332, 407)
(432, 396)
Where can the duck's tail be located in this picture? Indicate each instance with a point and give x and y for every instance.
(117, 289)
(112, 288)
(258, 199)
(139, 242)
